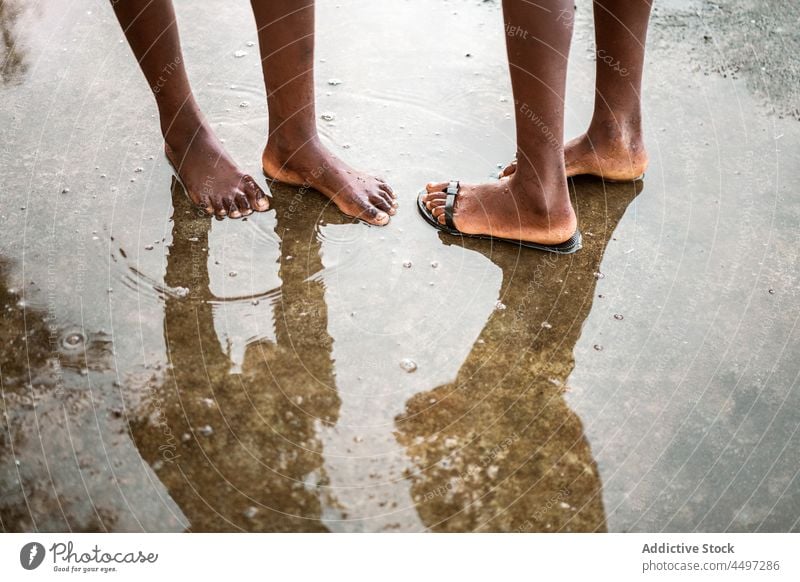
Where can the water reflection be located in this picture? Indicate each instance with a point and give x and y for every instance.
(241, 450)
(499, 449)
(13, 60)
(67, 462)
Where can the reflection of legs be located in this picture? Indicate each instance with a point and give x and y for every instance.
(533, 204)
(294, 153)
(212, 179)
(500, 448)
(264, 420)
(613, 146)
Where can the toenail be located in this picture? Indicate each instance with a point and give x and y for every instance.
(382, 216)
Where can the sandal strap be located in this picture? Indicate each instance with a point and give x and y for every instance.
(450, 201)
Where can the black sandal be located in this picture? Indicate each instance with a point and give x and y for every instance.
(570, 246)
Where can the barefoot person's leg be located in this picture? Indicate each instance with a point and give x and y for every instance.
(613, 147)
(294, 153)
(533, 204)
(212, 179)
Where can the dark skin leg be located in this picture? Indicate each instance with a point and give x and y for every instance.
(212, 179)
(294, 153)
(613, 146)
(533, 203)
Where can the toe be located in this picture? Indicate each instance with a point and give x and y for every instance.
(370, 213)
(434, 198)
(243, 204)
(233, 210)
(386, 188)
(204, 204)
(434, 204)
(255, 195)
(390, 199)
(437, 186)
(438, 214)
(220, 211)
(381, 203)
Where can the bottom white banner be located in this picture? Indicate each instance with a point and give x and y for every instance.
(390, 557)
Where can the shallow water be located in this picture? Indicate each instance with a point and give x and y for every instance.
(164, 372)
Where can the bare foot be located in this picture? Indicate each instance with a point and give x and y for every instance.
(211, 178)
(312, 166)
(507, 209)
(608, 152)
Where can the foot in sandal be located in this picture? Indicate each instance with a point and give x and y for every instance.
(506, 211)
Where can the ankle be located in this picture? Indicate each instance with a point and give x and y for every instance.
(283, 144)
(620, 131)
(183, 126)
(547, 199)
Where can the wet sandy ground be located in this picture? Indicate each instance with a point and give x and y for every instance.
(297, 372)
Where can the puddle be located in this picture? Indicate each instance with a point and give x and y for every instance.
(298, 372)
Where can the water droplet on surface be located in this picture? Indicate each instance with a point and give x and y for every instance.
(772, 291)
(232, 274)
(65, 191)
(240, 54)
(206, 430)
(598, 347)
(435, 264)
(250, 512)
(244, 104)
(251, 43)
(618, 316)
(408, 365)
(407, 264)
(500, 306)
(148, 247)
(328, 116)
(546, 325)
(599, 275)
(73, 340)
(139, 170)
(334, 82)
